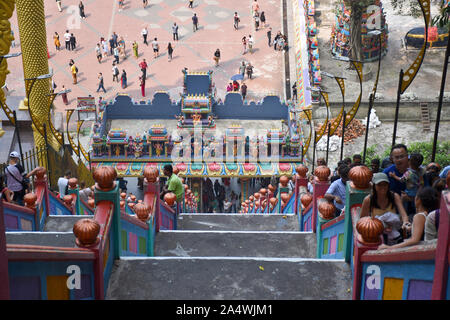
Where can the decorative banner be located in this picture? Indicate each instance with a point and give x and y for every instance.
(285, 168)
(72, 144)
(182, 168)
(410, 74)
(337, 121)
(352, 113)
(308, 114)
(58, 136)
(231, 169)
(214, 169)
(136, 169)
(86, 108)
(266, 169)
(122, 168)
(37, 124)
(323, 128)
(249, 169)
(197, 169)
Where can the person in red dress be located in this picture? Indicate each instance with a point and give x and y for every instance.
(142, 84)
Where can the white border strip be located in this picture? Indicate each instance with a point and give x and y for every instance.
(268, 259)
(39, 232)
(238, 214)
(233, 231)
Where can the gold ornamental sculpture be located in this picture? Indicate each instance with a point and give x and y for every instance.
(6, 12)
(33, 39)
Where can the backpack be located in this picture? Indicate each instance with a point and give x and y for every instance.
(76, 69)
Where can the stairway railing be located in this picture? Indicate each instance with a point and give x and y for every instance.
(410, 273)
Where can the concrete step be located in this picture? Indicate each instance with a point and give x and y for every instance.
(183, 243)
(238, 222)
(62, 223)
(50, 239)
(219, 278)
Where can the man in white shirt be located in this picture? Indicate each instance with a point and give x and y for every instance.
(115, 72)
(227, 205)
(62, 184)
(144, 33)
(116, 55)
(250, 43)
(67, 39)
(155, 46)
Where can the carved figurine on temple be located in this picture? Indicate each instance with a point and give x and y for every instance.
(158, 149)
(196, 119)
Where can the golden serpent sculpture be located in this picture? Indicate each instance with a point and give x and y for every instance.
(6, 12)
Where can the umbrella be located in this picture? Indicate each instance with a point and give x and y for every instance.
(237, 77)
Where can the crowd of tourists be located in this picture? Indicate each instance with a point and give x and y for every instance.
(405, 195)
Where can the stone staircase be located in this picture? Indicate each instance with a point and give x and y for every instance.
(216, 257)
(57, 233)
(231, 256)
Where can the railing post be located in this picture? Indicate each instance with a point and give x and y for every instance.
(440, 278)
(353, 201)
(357, 267)
(4, 275)
(319, 189)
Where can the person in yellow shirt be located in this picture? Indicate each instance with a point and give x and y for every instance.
(74, 71)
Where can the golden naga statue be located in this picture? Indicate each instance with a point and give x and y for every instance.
(6, 12)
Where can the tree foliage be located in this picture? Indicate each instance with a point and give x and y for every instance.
(424, 148)
(407, 7)
(442, 20)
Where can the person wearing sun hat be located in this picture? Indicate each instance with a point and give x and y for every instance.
(382, 200)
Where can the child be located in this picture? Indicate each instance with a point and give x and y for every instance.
(426, 201)
(413, 180)
(392, 224)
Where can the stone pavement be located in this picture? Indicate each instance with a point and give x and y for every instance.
(194, 50)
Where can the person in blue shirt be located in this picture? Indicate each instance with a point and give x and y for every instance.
(336, 191)
(399, 155)
(444, 172)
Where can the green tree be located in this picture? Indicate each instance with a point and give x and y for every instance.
(357, 8)
(407, 7)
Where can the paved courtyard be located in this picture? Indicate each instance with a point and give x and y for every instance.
(194, 50)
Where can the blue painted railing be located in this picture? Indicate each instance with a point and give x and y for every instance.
(57, 207)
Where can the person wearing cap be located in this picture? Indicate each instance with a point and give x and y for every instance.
(382, 200)
(63, 183)
(15, 177)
